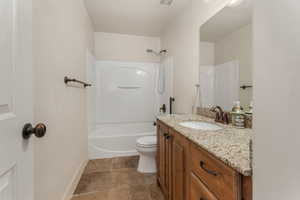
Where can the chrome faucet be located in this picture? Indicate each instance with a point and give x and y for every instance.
(221, 116)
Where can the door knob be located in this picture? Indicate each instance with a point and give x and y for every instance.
(39, 130)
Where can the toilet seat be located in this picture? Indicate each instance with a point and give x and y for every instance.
(148, 141)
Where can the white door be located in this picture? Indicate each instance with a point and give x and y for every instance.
(16, 154)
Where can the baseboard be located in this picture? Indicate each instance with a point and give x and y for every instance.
(74, 181)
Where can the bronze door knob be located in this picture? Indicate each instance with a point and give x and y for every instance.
(39, 130)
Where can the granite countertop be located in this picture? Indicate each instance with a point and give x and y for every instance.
(231, 145)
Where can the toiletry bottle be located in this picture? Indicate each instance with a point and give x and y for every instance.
(250, 109)
(197, 100)
(238, 115)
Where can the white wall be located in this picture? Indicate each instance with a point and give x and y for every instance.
(120, 47)
(91, 91)
(207, 53)
(181, 38)
(62, 34)
(277, 97)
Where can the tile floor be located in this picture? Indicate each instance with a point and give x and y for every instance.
(116, 179)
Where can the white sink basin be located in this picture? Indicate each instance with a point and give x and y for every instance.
(200, 126)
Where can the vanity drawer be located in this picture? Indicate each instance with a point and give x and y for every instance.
(222, 180)
(198, 191)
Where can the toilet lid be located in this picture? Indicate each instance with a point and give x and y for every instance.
(147, 141)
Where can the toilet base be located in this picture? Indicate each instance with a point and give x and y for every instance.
(147, 163)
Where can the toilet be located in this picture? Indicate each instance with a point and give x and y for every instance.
(146, 146)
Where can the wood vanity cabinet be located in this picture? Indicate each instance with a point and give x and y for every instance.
(187, 172)
(164, 159)
(179, 168)
(221, 180)
(171, 159)
(199, 191)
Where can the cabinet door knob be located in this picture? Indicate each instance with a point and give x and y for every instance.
(39, 130)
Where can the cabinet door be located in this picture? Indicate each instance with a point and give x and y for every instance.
(164, 159)
(168, 161)
(247, 187)
(199, 191)
(180, 166)
(161, 156)
(178, 171)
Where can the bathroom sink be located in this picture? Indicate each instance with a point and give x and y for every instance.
(200, 126)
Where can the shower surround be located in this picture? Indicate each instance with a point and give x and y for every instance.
(126, 106)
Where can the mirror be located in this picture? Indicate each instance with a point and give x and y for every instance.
(226, 57)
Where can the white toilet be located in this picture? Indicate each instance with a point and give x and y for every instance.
(146, 146)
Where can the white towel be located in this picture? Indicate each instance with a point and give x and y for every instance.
(162, 77)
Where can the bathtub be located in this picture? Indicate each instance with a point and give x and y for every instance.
(117, 139)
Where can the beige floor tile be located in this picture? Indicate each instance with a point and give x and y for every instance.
(155, 192)
(100, 165)
(116, 179)
(90, 167)
(125, 163)
(120, 193)
(136, 178)
(150, 179)
(139, 192)
(97, 181)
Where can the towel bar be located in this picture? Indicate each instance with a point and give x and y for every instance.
(244, 87)
(67, 80)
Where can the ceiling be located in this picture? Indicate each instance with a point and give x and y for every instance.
(137, 17)
(227, 21)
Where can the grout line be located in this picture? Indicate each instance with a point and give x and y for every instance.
(85, 194)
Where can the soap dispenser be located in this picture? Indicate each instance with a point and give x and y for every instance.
(238, 115)
(250, 108)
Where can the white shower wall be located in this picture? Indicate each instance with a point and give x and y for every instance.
(219, 85)
(207, 84)
(126, 92)
(126, 106)
(91, 92)
(226, 84)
